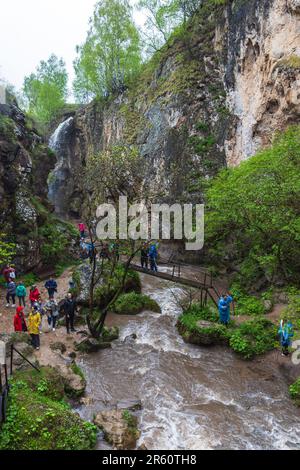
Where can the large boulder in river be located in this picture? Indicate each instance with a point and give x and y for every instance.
(206, 333)
(119, 427)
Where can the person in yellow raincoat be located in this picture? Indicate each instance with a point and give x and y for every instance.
(34, 321)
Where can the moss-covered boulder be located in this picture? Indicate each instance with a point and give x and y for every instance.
(110, 334)
(38, 418)
(134, 303)
(92, 345)
(58, 346)
(119, 427)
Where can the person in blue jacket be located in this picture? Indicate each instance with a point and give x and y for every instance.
(51, 286)
(153, 255)
(224, 308)
(285, 333)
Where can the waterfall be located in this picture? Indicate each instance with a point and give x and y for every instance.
(60, 181)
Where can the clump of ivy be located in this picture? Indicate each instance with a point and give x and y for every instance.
(7, 128)
(131, 422)
(38, 418)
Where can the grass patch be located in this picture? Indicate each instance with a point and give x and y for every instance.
(39, 419)
(253, 338)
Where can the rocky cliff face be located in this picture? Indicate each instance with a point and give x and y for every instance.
(211, 98)
(25, 162)
(262, 72)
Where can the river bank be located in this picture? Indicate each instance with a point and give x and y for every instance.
(190, 396)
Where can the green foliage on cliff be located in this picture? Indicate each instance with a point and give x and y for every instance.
(46, 90)
(7, 250)
(111, 55)
(7, 128)
(39, 419)
(253, 214)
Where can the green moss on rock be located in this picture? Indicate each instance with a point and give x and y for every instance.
(134, 303)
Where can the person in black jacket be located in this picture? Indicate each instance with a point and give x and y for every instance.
(69, 308)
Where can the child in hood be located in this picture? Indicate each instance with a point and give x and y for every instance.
(19, 320)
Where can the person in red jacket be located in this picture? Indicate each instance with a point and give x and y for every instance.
(34, 295)
(19, 320)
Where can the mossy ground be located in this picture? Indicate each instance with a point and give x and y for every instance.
(38, 418)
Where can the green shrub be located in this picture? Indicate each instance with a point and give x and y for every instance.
(29, 279)
(7, 128)
(134, 303)
(253, 338)
(36, 422)
(295, 391)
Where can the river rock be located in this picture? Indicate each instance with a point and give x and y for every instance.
(130, 338)
(130, 404)
(120, 428)
(91, 345)
(110, 334)
(75, 384)
(208, 333)
(58, 346)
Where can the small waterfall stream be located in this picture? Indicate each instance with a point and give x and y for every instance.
(192, 397)
(58, 189)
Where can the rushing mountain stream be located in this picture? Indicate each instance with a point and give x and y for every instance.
(192, 397)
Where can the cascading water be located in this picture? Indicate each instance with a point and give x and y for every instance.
(59, 180)
(192, 397)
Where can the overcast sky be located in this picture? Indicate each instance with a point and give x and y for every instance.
(31, 30)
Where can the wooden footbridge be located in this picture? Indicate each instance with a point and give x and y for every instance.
(199, 278)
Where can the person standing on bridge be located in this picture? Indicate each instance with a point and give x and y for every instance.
(145, 256)
(153, 255)
(224, 308)
(82, 229)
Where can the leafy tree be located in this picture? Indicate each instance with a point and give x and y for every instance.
(46, 90)
(253, 214)
(111, 55)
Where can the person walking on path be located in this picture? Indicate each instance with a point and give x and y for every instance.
(34, 321)
(69, 308)
(52, 313)
(21, 294)
(11, 293)
(224, 308)
(9, 273)
(145, 256)
(51, 286)
(153, 255)
(82, 229)
(285, 333)
(34, 295)
(19, 320)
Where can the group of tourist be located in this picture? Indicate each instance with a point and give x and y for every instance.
(42, 315)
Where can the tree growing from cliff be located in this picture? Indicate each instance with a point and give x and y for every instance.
(46, 90)
(111, 54)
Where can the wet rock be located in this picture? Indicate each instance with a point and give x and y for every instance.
(130, 338)
(58, 346)
(129, 404)
(72, 355)
(75, 383)
(268, 304)
(91, 345)
(110, 334)
(119, 427)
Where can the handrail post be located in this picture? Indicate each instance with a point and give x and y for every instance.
(11, 358)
